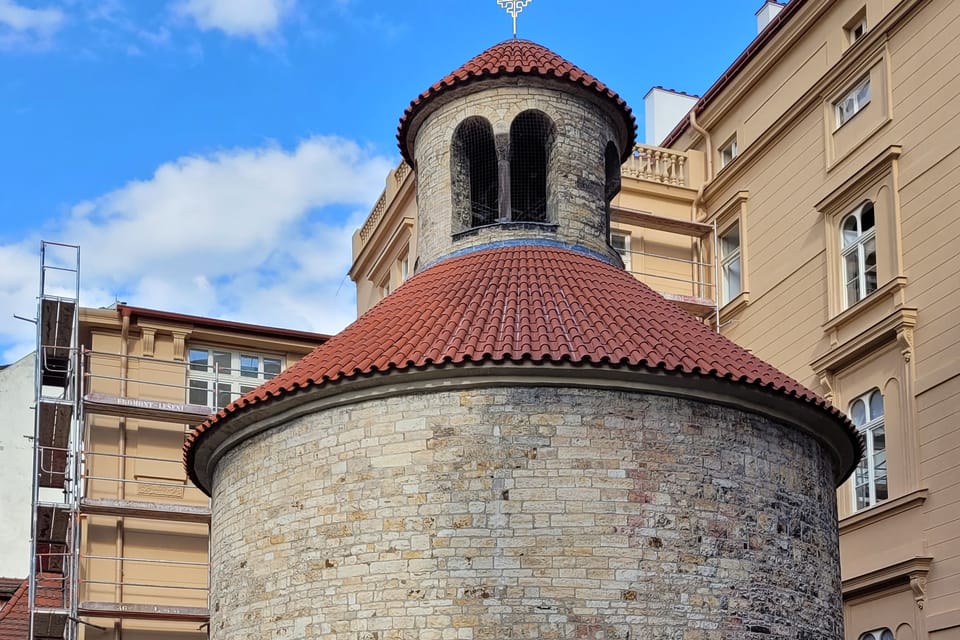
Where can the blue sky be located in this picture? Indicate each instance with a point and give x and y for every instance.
(213, 157)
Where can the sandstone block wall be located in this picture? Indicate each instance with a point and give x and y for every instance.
(526, 513)
(576, 179)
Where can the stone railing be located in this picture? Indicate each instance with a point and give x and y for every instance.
(657, 165)
(374, 218)
(379, 209)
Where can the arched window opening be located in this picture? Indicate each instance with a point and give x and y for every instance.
(474, 172)
(531, 136)
(870, 478)
(858, 244)
(611, 160)
(877, 634)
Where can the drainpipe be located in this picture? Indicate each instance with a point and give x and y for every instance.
(697, 206)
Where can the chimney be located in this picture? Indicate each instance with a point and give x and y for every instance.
(663, 110)
(767, 13)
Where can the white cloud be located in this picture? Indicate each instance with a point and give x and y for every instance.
(256, 18)
(24, 27)
(256, 235)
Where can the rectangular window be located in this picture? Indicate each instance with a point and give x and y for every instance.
(728, 152)
(404, 268)
(621, 243)
(853, 102)
(856, 28)
(731, 282)
(218, 376)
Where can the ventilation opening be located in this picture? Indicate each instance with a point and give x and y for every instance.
(531, 136)
(475, 183)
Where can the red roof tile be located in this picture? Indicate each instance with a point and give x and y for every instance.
(515, 57)
(15, 613)
(516, 304)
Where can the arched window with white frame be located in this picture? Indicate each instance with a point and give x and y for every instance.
(877, 634)
(870, 478)
(859, 253)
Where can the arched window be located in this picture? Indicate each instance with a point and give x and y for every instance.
(474, 172)
(858, 244)
(877, 634)
(531, 136)
(870, 478)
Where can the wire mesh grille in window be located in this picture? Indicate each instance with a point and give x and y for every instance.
(476, 155)
(530, 137)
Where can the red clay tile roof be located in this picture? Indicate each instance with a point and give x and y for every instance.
(515, 57)
(529, 303)
(15, 613)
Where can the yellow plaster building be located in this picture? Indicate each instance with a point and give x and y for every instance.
(807, 207)
(126, 555)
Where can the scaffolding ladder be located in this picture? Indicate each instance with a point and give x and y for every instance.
(56, 441)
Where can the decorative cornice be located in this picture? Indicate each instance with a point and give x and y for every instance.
(883, 510)
(911, 572)
(874, 170)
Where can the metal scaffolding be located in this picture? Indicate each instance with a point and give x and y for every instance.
(77, 486)
(54, 527)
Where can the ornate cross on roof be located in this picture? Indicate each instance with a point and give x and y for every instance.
(514, 8)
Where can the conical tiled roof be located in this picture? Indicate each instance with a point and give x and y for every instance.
(517, 304)
(515, 57)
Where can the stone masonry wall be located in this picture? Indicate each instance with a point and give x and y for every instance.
(575, 183)
(526, 513)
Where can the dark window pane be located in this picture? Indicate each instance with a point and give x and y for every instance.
(866, 217)
(224, 396)
(271, 367)
(876, 405)
(221, 361)
(198, 393)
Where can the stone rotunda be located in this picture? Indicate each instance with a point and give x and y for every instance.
(523, 441)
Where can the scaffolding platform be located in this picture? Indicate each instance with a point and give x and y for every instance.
(57, 316)
(125, 407)
(123, 610)
(55, 422)
(145, 510)
(49, 623)
(53, 523)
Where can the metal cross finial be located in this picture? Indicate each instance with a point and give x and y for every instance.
(514, 8)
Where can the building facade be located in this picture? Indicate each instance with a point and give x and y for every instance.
(126, 555)
(807, 207)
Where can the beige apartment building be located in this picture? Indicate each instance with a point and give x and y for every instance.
(124, 552)
(808, 208)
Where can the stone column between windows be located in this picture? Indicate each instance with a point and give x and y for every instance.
(502, 142)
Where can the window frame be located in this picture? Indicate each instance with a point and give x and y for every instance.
(871, 425)
(852, 36)
(884, 633)
(859, 104)
(627, 248)
(725, 260)
(728, 151)
(858, 246)
(220, 386)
